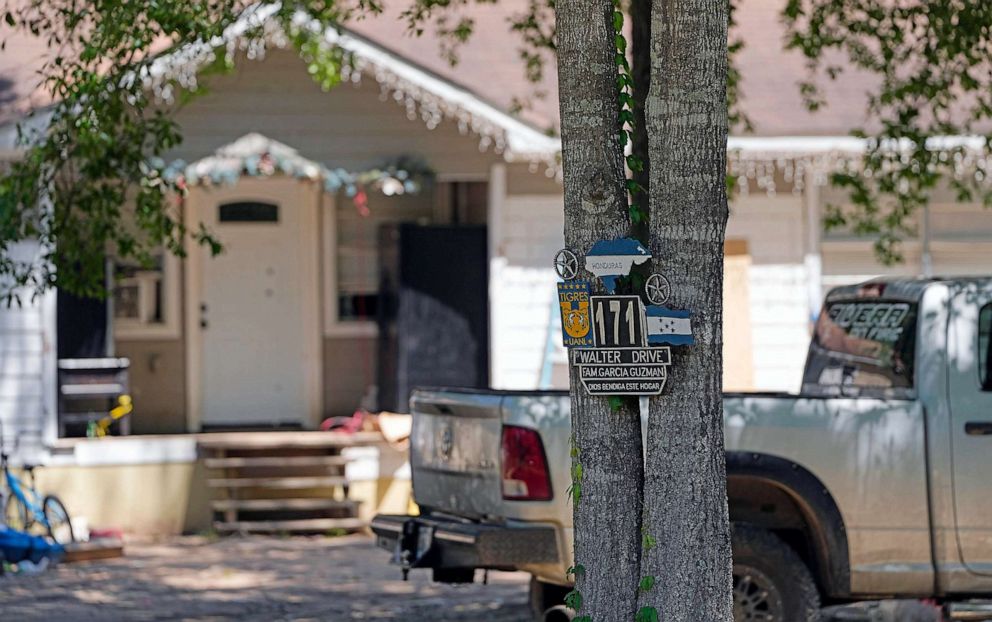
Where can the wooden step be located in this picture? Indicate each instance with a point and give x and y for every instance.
(277, 482)
(310, 524)
(242, 441)
(250, 505)
(274, 461)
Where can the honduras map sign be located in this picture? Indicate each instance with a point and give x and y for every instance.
(611, 259)
(618, 345)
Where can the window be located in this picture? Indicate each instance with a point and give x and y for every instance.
(145, 299)
(863, 347)
(352, 251)
(248, 211)
(984, 351)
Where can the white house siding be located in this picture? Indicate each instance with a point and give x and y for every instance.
(524, 304)
(349, 126)
(774, 229)
(522, 293)
(27, 370)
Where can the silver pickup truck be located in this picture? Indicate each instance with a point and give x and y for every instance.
(874, 482)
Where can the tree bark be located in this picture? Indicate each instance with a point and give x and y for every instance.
(685, 474)
(607, 518)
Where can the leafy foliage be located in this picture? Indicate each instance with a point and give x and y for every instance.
(91, 182)
(931, 58)
(573, 600)
(98, 163)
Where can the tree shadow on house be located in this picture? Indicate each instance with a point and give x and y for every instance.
(8, 95)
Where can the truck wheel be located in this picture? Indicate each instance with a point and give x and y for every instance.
(545, 596)
(771, 583)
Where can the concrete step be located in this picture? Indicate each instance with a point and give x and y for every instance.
(304, 525)
(274, 461)
(276, 482)
(261, 505)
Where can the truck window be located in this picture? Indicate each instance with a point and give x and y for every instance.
(984, 353)
(862, 348)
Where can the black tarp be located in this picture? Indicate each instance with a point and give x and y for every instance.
(433, 310)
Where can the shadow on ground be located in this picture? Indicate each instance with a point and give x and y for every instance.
(256, 578)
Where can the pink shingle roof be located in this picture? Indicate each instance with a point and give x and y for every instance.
(489, 66)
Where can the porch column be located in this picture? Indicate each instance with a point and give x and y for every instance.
(494, 224)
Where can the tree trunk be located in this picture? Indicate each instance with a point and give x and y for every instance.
(608, 514)
(685, 475)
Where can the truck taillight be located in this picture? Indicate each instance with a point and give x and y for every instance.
(524, 465)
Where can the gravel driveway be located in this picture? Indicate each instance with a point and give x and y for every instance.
(255, 578)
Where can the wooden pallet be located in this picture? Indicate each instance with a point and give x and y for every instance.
(274, 482)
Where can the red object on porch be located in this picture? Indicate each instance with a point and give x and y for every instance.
(345, 425)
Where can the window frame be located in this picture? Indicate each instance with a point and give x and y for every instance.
(126, 329)
(333, 325)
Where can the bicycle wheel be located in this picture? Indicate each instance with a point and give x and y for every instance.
(16, 515)
(57, 517)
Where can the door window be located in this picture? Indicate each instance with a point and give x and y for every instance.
(984, 353)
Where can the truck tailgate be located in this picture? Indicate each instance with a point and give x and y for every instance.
(455, 452)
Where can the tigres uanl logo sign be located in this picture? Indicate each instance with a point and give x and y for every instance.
(576, 322)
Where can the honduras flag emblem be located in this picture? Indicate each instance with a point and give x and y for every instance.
(611, 259)
(668, 326)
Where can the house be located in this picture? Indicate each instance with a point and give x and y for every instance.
(280, 329)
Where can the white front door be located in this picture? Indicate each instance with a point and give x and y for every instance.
(257, 316)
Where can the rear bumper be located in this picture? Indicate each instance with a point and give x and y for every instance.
(442, 543)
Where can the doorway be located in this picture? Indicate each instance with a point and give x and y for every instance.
(252, 311)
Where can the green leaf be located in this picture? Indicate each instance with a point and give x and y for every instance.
(646, 583)
(637, 280)
(615, 402)
(573, 600)
(633, 186)
(648, 542)
(646, 614)
(617, 21)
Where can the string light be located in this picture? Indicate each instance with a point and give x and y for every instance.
(181, 68)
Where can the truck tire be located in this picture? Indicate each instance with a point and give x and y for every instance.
(545, 596)
(771, 583)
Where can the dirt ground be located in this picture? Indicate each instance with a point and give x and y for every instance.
(255, 578)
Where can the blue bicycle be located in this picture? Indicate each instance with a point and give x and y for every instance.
(25, 509)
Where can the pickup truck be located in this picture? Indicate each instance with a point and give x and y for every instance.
(874, 482)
